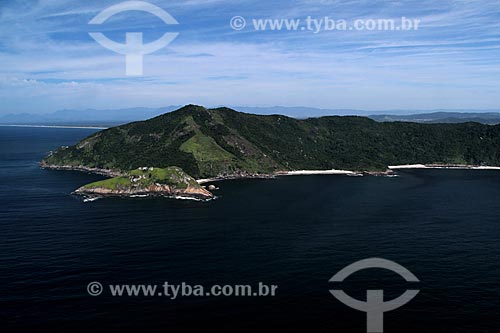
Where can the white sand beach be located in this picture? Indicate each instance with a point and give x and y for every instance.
(315, 172)
(407, 166)
(208, 180)
(437, 166)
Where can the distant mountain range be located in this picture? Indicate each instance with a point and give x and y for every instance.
(113, 117)
(490, 118)
(86, 116)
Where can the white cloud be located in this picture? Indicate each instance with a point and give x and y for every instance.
(453, 61)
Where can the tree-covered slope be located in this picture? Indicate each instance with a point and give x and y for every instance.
(212, 142)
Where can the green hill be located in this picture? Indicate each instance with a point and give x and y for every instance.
(215, 142)
(171, 182)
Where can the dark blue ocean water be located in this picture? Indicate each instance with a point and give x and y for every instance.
(295, 232)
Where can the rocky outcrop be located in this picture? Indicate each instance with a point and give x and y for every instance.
(193, 192)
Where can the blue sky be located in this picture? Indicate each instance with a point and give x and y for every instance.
(49, 62)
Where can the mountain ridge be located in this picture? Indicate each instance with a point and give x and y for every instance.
(223, 142)
(114, 117)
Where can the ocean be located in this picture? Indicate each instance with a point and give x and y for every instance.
(292, 232)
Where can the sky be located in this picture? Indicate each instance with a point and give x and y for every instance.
(48, 60)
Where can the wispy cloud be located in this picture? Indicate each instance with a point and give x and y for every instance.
(452, 61)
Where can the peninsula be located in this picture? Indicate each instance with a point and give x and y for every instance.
(148, 181)
(223, 144)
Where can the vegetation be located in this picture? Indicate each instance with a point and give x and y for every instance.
(145, 177)
(215, 142)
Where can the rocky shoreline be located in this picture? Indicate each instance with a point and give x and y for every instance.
(115, 173)
(297, 173)
(157, 190)
(97, 171)
(390, 172)
(236, 176)
(203, 194)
